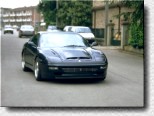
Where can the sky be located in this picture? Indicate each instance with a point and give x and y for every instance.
(17, 3)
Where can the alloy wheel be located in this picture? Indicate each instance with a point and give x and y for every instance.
(36, 70)
(23, 63)
(24, 68)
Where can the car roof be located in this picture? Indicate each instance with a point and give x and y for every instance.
(58, 32)
(52, 25)
(68, 26)
(7, 26)
(79, 27)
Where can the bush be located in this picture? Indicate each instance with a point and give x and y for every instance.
(136, 39)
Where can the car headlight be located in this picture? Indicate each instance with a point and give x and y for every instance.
(103, 67)
(51, 60)
(53, 68)
(99, 56)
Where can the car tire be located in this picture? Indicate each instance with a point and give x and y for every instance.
(24, 68)
(20, 35)
(37, 71)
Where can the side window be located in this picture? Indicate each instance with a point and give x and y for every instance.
(69, 28)
(35, 39)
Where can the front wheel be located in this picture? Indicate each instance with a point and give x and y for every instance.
(24, 68)
(37, 71)
(20, 35)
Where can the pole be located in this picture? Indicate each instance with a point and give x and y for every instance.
(106, 21)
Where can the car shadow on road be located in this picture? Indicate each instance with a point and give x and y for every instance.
(72, 81)
(76, 81)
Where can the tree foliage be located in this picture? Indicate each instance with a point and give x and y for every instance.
(75, 13)
(70, 12)
(136, 27)
(48, 9)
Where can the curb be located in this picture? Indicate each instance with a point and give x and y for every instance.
(130, 51)
(108, 47)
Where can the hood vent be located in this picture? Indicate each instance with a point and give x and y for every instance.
(70, 58)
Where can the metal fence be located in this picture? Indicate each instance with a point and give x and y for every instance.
(99, 33)
(116, 37)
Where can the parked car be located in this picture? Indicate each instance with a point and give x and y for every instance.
(8, 29)
(67, 28)
(57, 30)
(84, 32)
(63, 55)
(15, 26)
(26, 30)
(51, 28)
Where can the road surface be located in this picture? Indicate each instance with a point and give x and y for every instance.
(123, 87)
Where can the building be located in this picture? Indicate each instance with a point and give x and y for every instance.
(21, 16)
(0, 18)
(115, 8)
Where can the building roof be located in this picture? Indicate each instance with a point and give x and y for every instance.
(19, 8)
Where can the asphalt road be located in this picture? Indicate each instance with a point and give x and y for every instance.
(123, 87)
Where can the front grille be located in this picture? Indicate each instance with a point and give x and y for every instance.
(79, 69)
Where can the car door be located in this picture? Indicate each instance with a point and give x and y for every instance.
(32, 49)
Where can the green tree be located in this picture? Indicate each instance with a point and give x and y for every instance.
(136, 27)
(70, 12)
(48, 9)
(75, 13)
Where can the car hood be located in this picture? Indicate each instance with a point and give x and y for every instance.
(68, 53)
(8, 29)
(87, 35)
(73, 53)
(27, 29)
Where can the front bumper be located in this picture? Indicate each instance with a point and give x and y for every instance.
(72, 71)
(27, 33)
(8, 31)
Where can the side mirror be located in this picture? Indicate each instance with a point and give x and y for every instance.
(94, 44)
(31, 43)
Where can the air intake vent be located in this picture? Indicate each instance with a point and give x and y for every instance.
(78, 58)
(88, 69)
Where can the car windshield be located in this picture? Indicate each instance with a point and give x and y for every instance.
(27, 27)
(82, 30)
(62, 40)
(52, 27)
(8, 26)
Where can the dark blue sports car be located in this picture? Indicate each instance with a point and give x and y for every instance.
(63, 55)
